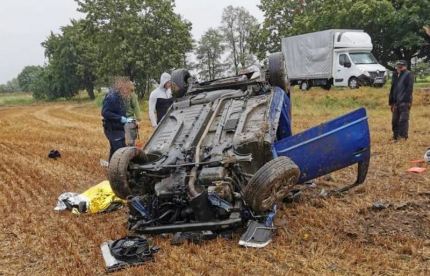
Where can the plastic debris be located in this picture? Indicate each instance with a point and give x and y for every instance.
(97, 199)
(127, 251)
(379, 205)
(417, 170)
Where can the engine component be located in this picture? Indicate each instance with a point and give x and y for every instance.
(209, 175)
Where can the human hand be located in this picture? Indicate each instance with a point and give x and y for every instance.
(393, 107)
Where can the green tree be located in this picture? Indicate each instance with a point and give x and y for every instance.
(396, 26)
(28, 76)
(73, 59)
(10, 86)
(238, 26)
(279, 16)
(209, 51)
(137, 38)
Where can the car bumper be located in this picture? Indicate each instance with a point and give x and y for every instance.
(367, 80)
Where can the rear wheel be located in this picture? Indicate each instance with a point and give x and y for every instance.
(305, 86)
(271, 184)
(180, 82)
(122, 181)
(276, 70)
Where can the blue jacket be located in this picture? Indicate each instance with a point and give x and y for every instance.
(112, 111)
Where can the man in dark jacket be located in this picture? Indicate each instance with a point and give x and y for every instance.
(114, 113)
(400, 100)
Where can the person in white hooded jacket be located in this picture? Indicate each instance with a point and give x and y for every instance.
(160, 100)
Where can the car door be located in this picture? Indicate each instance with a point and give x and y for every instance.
(342, 70)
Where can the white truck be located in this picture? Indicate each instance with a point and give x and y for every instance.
(332, 58)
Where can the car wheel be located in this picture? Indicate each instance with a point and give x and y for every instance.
(271, 184)
(304, 86)
(276, 68)
(180, 82)
(121, 180)
(353, 83)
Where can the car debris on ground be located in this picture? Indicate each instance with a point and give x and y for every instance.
(127, 251)
(97, 199)
(54, 154)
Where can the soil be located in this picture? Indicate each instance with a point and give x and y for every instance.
(343, 234)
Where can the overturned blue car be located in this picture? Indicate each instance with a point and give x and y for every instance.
(224, 155)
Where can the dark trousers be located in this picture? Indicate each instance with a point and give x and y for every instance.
(400, 121)
(116, 140)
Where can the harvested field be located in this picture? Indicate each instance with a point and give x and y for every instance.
(336, 235)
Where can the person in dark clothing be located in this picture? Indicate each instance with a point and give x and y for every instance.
(400, 100)
(114, 113)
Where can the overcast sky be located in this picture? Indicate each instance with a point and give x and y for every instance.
(24, 24)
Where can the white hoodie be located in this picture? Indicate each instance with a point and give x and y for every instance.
(160, 92)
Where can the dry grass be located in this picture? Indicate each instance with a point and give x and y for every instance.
(338, 235)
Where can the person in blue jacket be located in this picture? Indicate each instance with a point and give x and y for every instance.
(114, 113)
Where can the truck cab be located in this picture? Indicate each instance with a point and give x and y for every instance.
(354, 63)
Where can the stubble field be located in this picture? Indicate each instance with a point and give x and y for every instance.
(336, 235)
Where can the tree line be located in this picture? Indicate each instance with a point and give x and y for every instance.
(143, 38)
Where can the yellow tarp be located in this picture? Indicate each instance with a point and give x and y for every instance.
(100, 197)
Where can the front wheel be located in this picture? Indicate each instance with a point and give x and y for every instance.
(276, 68)
(353, 83)
(271, 184)
(121, 180)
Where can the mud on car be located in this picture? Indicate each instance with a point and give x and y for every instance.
(223, 156)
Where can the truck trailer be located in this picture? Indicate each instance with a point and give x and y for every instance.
(332, 58)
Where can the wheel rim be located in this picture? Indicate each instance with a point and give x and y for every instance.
(279, 191)
(304, 86)
(353, 83)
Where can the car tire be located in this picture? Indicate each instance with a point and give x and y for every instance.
(180, 82)
(353, 83)
(304, 86)
(276, 70)
(271, 184)
(119, 176)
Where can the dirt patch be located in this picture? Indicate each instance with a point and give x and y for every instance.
(409, 219)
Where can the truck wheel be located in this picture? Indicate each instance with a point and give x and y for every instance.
(120, 178)
(276, 68)
(353, 83)
(304, 86)
(180, 82)
(271, 184)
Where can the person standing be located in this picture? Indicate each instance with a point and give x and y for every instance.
(114, 112)
(132, 110)
(400, 100)
(160, 100)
